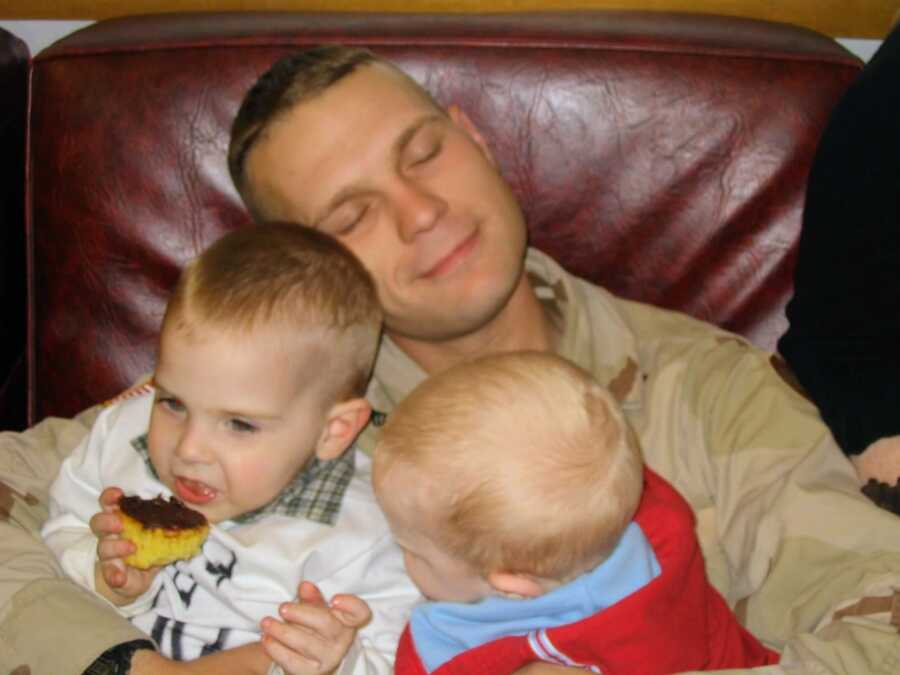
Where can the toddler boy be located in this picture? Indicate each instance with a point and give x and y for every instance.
(515, 488)
(264, 354)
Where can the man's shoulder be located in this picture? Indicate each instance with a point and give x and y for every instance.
(647, 322)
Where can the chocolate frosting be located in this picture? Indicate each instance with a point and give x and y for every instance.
(158, 512)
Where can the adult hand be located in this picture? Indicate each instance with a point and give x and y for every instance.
(881, 461)
(117, 582)
(879, 469)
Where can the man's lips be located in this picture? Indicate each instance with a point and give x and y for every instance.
(193, 492)
(452, 260)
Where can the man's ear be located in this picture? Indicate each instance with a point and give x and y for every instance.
(343, 423)
(462, 120)
(520, 585)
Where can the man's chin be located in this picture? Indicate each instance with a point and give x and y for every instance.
(444, 322)
(458, 310)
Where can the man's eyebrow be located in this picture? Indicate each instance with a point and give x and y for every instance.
(396, 149)
(404, 138)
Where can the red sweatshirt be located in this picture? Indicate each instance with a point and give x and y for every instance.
(674, 623)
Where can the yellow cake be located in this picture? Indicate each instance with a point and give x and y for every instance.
(163, 530)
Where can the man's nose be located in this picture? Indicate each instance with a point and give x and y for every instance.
(417, 210)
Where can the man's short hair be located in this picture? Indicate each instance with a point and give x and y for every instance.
(288, 82)
(290, 276)
(538, 470)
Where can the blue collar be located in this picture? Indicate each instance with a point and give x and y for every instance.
(441, 630)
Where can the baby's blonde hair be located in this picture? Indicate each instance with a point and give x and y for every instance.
(533, 466)
(292, 277)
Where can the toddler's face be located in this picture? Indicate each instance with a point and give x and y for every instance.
(408, 501)
(234, 418)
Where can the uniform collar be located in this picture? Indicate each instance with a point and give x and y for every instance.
(594, 335)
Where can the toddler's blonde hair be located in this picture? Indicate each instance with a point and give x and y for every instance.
(288, 276)
(530, 463)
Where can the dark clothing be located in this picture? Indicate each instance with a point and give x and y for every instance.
(843, 343)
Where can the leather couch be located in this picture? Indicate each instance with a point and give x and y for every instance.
(661, 155)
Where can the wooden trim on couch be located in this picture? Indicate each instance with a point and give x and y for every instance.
(838, 18)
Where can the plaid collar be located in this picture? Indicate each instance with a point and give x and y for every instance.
(315, 493)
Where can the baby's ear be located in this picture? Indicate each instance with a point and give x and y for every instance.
(343, 423)
(518, 585)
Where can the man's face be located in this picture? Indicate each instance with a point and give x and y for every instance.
(236, 417)
(413, 192)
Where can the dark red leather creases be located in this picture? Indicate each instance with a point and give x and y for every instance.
(663, 156)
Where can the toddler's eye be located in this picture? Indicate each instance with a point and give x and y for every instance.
(171, 404)
(242, 426)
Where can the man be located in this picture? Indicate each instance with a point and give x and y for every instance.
(414, 192)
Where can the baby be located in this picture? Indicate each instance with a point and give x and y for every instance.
(515, 488)
(265, 351)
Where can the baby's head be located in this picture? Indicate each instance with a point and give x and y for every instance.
(512, 473)
(266, 347)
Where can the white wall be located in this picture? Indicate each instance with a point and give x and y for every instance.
(862, 48)
(39, 34)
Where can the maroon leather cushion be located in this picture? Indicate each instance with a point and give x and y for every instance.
(13, 97)
(663, 156)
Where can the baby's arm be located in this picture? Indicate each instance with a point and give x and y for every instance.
(315, 636)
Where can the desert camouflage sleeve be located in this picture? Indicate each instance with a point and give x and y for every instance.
(810, 565)
(47, 623)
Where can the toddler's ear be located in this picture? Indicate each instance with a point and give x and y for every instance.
(343, 423)
(518, 585)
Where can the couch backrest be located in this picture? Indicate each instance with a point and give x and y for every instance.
(663, 156)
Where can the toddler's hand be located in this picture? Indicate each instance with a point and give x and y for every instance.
(117, 582)
(314, 637)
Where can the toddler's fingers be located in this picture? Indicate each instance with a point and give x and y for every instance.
(113, 574)
(105, 523)
(309, 593)
(292, 648)
(109, 498)
(113, 549)
(312, 619)
(290, 661)
(351, 610)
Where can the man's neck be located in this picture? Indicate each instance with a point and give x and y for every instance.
(521, 325)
